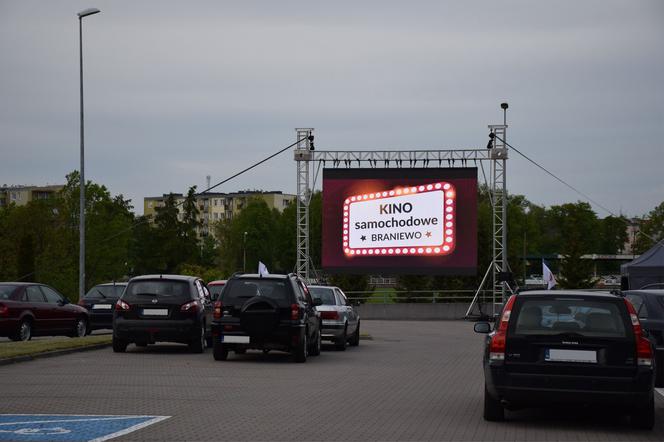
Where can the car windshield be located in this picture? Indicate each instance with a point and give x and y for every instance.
(239, 290)
(570, 315)
(161, 288)
(325, 294)
(105, 291)
(6, 291)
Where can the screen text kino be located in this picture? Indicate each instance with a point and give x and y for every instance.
(389, 209)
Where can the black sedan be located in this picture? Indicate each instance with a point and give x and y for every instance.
(100, 302)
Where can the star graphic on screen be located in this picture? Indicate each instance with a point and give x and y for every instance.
(363, 238)
(428, 234)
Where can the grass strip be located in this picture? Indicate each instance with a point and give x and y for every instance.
(30, 348)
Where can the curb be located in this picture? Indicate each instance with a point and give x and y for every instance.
(50, 354)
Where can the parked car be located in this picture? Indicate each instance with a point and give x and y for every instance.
(29, 309)
(215, 288)
(340, 321)
(273, 312)
(165, 308)
(568, 347)
(100, 302)
(649, 306)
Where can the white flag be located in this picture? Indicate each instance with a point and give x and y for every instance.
(548, 277)
(262, 269)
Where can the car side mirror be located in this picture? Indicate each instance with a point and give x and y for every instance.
(318, 301)
(482, 327)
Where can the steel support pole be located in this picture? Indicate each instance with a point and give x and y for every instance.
(81, 225)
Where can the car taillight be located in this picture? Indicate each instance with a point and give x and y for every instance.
(190, 307)
(121, 305)
(643, 345)
(329, 315)
(218, 310)
(4, 310)
(294, 312)
(499, 336)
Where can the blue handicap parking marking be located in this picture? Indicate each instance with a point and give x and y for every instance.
(70, 427)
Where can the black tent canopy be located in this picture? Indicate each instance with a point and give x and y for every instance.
(647, 269)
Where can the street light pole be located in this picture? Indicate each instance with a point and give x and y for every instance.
(81, 252)
(244, 254)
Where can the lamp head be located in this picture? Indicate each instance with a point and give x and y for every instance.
(89, 11)
(504, 106)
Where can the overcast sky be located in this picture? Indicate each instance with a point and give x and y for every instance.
(175, 91)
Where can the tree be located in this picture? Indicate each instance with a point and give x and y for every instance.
(613, 235)
(578, 233)
(652, 230)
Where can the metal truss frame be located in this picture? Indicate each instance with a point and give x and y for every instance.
(497, 156)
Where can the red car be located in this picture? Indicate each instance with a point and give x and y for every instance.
(30, 309)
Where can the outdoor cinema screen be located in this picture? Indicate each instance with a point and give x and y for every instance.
(400, 221)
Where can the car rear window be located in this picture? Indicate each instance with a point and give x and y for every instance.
(105, 291)
(325, 294)
(215, 290)
(161, 288)
(239, 290)
(6, 291)
(569, 315)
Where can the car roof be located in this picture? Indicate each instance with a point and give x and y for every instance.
(171, 277)
(21, 283)
(257, 276)
(112, 284)
(217, 282)
(323, 287)
(535, 293)
(646, 291)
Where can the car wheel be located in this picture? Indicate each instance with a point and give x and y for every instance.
(302, 350)
(493, 409)
(119, 345)
(80, 328)
(340, 344)
(197, 345)
(23, 332)
(644, 416)
(355, 340)
(315, 346)
(219, 351)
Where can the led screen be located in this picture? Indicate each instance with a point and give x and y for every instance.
(400, 221)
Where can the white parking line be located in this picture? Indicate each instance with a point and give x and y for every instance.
(660, 391)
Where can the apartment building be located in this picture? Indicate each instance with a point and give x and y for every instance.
(215, 207)
(22, 195)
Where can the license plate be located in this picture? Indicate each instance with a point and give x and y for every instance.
(560, 355)
(102, 307)
(235, 339)
(155, 312)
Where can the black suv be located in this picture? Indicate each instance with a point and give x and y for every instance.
(649, 306)
(273, 312)
(169, 308)
(568, 347)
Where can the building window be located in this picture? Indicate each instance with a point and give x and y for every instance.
(149, 204)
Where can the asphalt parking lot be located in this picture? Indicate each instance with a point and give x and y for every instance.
(412, 381)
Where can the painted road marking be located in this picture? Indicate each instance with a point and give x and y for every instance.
(58, 427)
(660, 391)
